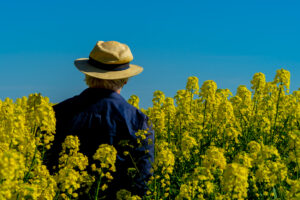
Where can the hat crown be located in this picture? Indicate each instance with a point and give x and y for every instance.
(111, 52)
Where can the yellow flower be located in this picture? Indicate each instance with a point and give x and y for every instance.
(208, 90)
(107, 156)
(192, 85)
(282, 77)
(214, 158)
(104, 187)
(134, 100)
(164, 159)
(188, 142)
(235, 182)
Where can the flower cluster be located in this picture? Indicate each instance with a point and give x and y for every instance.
(243, 146)
(27, 128)
(71, 175)
(209, 144)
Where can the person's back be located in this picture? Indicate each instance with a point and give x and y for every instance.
(102, 116)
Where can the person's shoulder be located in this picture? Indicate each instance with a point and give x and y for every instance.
(129, 106)
(122, 105)
(70, 105)
(65, 104)
(137, 113)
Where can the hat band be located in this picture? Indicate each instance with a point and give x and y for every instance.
(108, 67)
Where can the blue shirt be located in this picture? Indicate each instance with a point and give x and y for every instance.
(100, 116)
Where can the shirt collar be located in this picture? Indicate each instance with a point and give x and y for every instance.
(101, 93)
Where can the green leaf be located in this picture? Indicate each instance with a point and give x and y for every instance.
(275, 193)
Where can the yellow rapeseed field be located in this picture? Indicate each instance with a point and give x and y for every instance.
(209, 144)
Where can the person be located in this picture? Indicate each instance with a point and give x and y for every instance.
(100, 115)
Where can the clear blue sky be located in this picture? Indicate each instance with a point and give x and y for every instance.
(224, 41)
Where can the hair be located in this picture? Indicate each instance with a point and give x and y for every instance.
(107, 84)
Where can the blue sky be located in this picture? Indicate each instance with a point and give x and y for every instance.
(224, 41)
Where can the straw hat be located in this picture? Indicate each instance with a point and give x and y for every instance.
(109, 60)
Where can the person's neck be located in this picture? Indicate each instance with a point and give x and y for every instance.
(118, 91)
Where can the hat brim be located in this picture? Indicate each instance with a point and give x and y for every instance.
(83, 65)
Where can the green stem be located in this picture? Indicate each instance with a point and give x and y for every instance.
(191, 102)
(56, 195)
(180, 137)
(204, 114)
(98, 186)
(169, 135)
(277, 108)
(31, 166)
(155, 188)
(296, 160)
(133, 163)
(223, 138)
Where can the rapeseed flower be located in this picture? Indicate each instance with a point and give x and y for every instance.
(209, 145)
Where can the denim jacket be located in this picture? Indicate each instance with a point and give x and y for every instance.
(100, 116)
